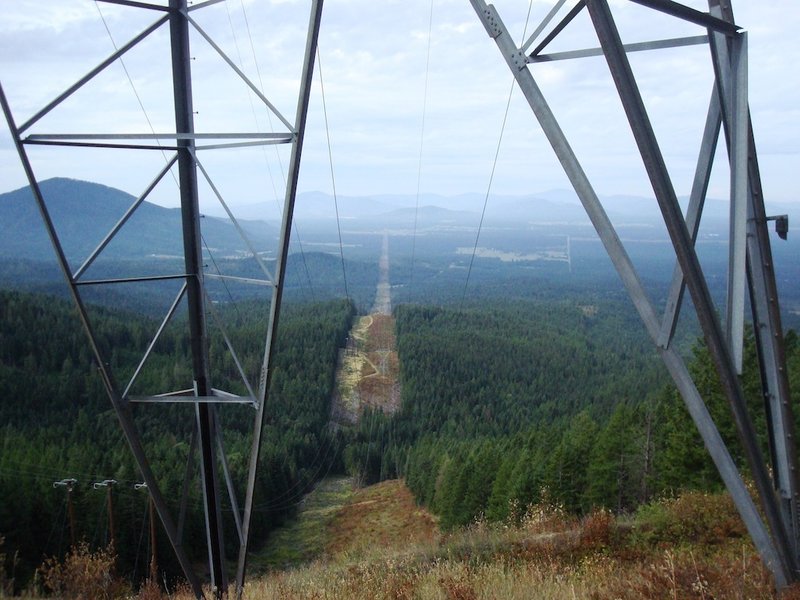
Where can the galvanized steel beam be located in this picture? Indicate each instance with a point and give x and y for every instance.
(691, 15)
(766, 313)
(559, 28)
(541, 27)
(195, 296)
(771, 547)
(738, 128)
(694, 211)
(152, 344)
(312, 38)
(121, 407)
(91, 75)
(624, 266)
(253, 87)
(124, 219)
(637, 47)
(202, 395)
(690, 265)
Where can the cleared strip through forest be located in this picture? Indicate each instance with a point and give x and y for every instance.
(367, 373)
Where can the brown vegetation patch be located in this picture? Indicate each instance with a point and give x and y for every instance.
(380, 335)
(368, 371)
(379, 387)
(83, 573)
(380, 516)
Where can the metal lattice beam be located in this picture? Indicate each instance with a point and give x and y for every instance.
(206, 399)
(776, 540)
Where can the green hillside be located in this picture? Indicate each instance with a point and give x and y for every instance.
(58, 423)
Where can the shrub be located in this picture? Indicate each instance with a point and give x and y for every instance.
(83, 574)
(546, 516)
(596, 529)
(6, 579)
(693, 517)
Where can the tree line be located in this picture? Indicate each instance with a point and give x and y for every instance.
(525, 403)
(57, 423)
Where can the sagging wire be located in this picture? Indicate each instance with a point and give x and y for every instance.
(333, 178)
(421, 145)
(494, 167)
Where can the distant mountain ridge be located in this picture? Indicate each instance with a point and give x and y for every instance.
(83, 213)
(551, 206)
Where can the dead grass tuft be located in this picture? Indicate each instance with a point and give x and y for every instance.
(83, 574)
(596, 530)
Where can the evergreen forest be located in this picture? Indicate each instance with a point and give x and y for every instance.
(524, 403)
(505, 406)
(57, 423)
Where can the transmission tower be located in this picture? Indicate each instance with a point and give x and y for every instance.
(750, 257)
(177, 17)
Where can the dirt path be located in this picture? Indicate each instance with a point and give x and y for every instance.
(367, 374)
(383, 296)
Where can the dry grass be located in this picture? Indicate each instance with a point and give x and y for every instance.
(547, 555)
(545, 571)
(306, 537)
(380, 516)
(83, 574)
(380, 335)
(381, 546)
(368, 372)
(379, 386)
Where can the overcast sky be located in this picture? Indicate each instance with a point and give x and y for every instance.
(374, 56)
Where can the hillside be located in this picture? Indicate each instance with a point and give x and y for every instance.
(521, 423)
(376, 544)
(494, 507)
(57, 423)
(84, 212)
(338, 523)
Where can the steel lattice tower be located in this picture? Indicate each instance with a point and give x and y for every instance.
(177, 17)
(750, 258)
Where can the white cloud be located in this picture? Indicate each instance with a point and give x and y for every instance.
(374, 57)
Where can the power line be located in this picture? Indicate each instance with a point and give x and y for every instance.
(221, 278)
(272, 128)
(421, 144)
(133, 87)
(288, 500)
(486, 198)
(494, 167)
(333, 178)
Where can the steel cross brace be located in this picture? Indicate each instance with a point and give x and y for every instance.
(312, 39)
(775, 548)
(120, 405)
(764, 306)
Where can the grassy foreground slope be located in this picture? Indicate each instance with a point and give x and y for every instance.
(337, 523)
(378, 544)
